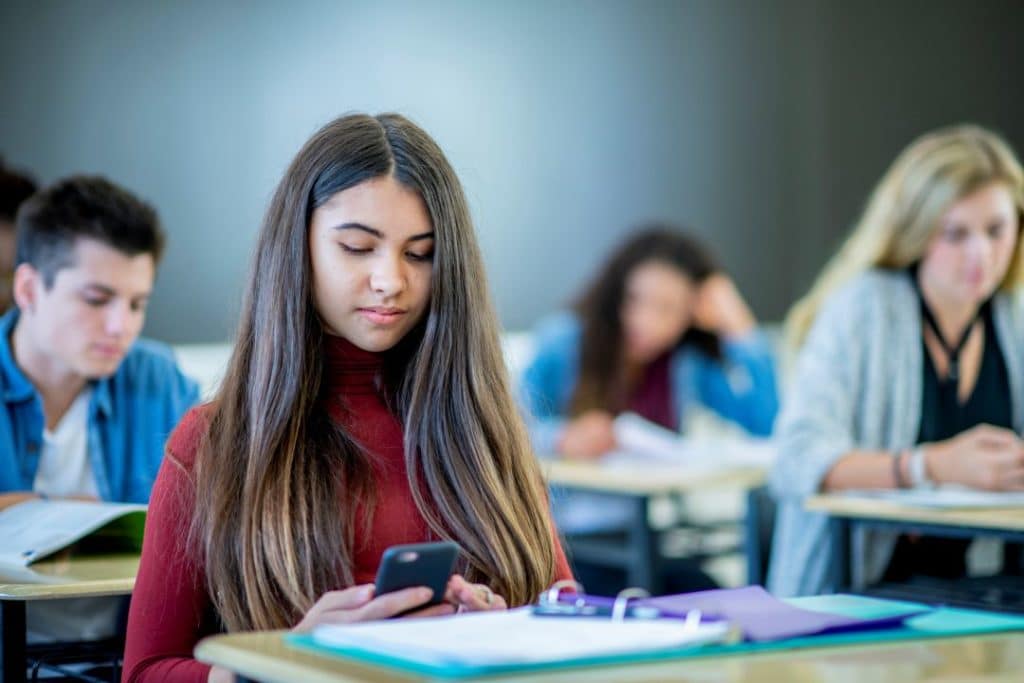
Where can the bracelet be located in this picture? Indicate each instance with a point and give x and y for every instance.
(897, 470)
(918, 468)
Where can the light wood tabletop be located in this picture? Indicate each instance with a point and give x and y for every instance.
(1008, 519)
(649, 478)
(71, 577)
(979, 659)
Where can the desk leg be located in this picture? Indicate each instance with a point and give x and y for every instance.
(752, 538)
(13, 656)
(857, 543)
(840, 529)
(643, 570)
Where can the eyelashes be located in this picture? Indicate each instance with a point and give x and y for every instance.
(419, 258)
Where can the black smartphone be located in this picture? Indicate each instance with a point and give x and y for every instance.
(417, 564)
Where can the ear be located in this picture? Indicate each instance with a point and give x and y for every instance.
(28, 283)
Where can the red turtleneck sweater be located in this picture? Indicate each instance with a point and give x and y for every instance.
(171, 611)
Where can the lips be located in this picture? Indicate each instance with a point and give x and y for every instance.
(382, 315)
(108, 351)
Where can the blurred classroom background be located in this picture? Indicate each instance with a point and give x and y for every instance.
(763, 125)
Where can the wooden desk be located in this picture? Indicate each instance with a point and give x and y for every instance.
(63, 577)
(647, 479)
(979, 659)
(639, 485)
(853, 517)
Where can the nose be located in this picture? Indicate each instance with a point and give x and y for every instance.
(388, 277)
(118, 319)
(980, 248)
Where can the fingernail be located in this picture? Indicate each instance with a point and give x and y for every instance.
(367, 591)
(426, 593)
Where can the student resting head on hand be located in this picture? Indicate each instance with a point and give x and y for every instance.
(659, 330)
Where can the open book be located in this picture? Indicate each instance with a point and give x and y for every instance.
(36, 529)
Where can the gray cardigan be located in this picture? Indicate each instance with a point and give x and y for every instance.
(857, 384)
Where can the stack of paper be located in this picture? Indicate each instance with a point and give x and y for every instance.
(640, 439)
(945, 497)
(514, 637)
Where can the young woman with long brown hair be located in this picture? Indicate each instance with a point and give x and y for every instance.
(366, 404)
(659, 330)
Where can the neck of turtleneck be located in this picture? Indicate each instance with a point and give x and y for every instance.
(350, 369)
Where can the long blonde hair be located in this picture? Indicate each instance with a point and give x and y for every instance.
(272, 467)
(904, 210)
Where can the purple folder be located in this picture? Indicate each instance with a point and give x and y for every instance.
(754, 611)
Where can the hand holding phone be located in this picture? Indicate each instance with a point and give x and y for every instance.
(417, 564)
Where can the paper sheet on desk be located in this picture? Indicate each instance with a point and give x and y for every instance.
(945, 497)
(643, 441)
(514, 637)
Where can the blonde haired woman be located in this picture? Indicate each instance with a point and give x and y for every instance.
(909, 364)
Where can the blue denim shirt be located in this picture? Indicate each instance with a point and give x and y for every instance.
(131, 414)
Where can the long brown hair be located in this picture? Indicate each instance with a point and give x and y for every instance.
(272, 467)
(598, 308)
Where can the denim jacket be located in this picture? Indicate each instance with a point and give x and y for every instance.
(131, 414)
(741, 388)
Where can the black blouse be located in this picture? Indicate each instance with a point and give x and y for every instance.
(943, 417)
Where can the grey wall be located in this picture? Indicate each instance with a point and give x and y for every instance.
(762, 125)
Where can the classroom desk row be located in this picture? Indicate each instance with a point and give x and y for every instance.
(979, 659)
(264, 655)
(640, 554)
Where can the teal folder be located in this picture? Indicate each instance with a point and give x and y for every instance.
(932, 623)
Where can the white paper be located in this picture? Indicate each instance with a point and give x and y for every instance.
(641, 440)
(36, 528)
(514, 637)
(944, 497)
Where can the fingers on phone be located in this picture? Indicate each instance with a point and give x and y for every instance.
(390, 604)
(441, 610)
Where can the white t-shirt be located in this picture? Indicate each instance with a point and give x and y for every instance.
(64, 470)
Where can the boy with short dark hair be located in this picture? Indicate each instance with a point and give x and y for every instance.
(85, 405)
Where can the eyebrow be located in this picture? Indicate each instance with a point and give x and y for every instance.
(378, 233)
(107, 291)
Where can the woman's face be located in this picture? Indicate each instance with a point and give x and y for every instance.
(970, 253)
(371, 248)
(657, 308)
